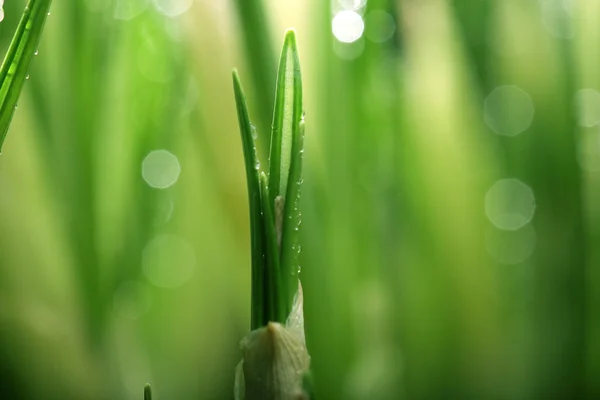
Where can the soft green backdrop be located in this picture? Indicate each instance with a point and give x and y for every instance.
(412, 289)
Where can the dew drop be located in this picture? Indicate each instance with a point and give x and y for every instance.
(253, 130)
(36, 53)
(27, 77)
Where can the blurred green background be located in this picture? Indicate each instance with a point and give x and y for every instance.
(451, 198)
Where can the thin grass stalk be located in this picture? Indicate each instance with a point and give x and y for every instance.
(257, 43)
(22, 49)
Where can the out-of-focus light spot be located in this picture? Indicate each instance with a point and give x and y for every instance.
(508, 110)
(160, 169)
(352, 4)
(129, 9)
(511, 247)
(569, 6)
(380, 26)
(132, 300)
(588, 107)
(349, 51)
(556, 19)
(173, 8)
(168, 261)
(509, 204)
(588, 151)
(347, 26)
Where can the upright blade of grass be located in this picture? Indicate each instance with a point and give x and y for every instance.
(257, 40)
(286, 117)
(290, 242)
(286, 145)
(21, 51)
(256, 228)
(147, 392)
(275, 292)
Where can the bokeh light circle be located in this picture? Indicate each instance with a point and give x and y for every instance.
(509, 204)
(347, 26)
(168, 261)
(160, 169)
(508, 110)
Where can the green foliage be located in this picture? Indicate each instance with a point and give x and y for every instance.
(411, 291)
(275, 223)
(14, 70)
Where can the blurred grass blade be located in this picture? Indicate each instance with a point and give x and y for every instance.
(21, 51)
(286, 117)
(147, 392)
(256, 229)
(257, 38)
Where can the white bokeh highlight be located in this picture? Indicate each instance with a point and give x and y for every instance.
(160, 169)
(557, 18)
(508, 110)
(168, 261)
(352, 4)
(347, 26)
(587, 102)
(172, 8)
(509, 204)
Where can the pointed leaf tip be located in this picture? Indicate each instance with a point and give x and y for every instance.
(290, 35)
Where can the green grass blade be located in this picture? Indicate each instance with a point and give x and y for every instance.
(276, 291)
(256, 229)
(286, 116)
(257, 40)
(21, 51)
(290, 242)
(147, 392)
